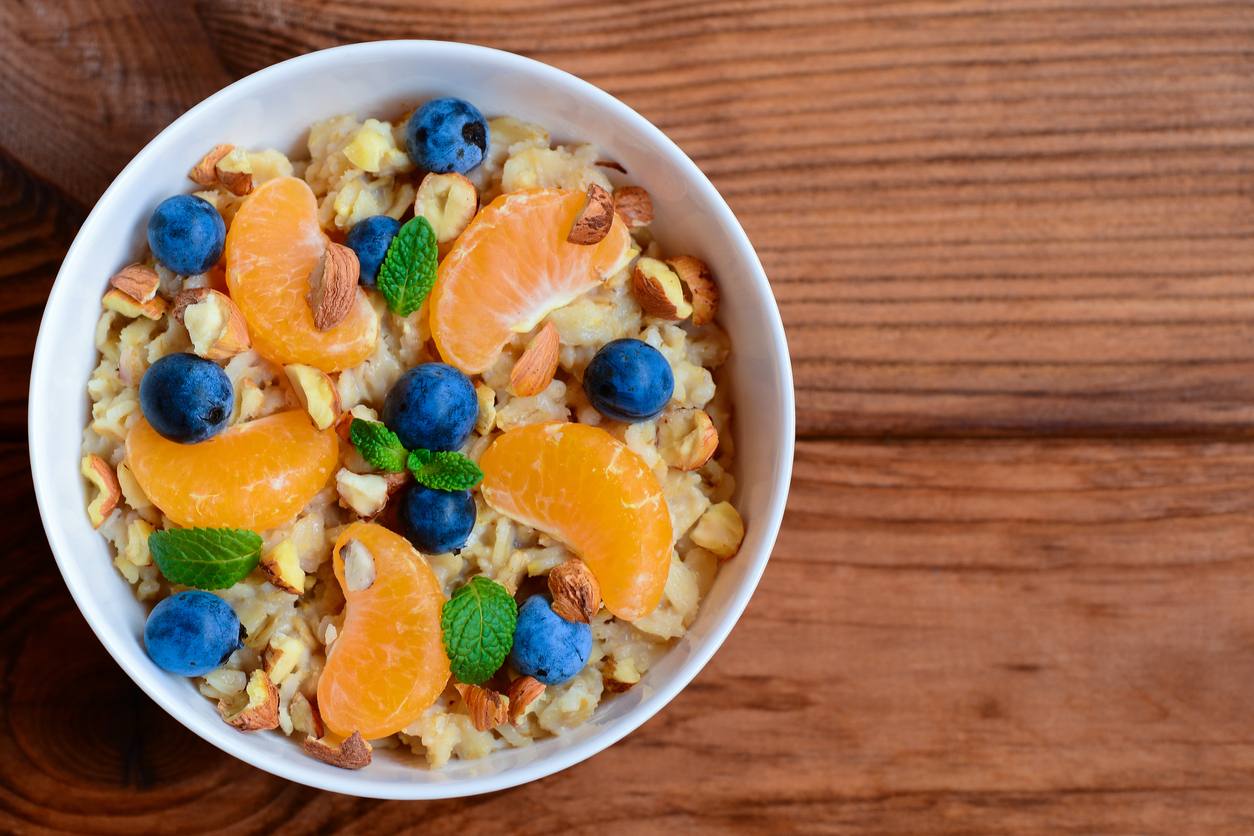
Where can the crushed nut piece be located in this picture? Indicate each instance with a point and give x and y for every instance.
(215, 324)
(333, 286)
(488, 709)
(316, 392)
(595, 219)
(695, 274)
(344, 424)
(100, 474)
(449, 202)
(634, 206)
(719, 530)
(611, 164)
(658, 290)
(350, 753)
(125, 304)
(365, 494)
(235, 172)
(281, 566)
(305, 717)
(205, 172)
(281, 657)
(576, 593)
(686, 438)
(259, 711)
(619, 676)
(137, 281)
(535, 368)
(522, 692)
(487, 408)
(359, 569)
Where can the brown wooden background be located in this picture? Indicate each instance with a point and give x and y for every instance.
(1011, 241)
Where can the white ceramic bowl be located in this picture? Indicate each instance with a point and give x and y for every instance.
(274, 108)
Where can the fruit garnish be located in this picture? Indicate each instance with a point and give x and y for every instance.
(370, 239)
(510, 268)
(378, 445)
(186, 234)
(407, 273)
(432, 406)
(477, 624)
(444, 470)
(272, 248)
(446, 135)
(192, 633)
(547, 646)
(186, 398)
(388, 665)
(629, 380)
(436, 521)
(206, 558)
(581, 485)
(255, 475)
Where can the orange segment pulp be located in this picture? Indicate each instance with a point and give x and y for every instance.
(273, 245)
(510, 268)
(586, 488)
(388, 664)
(256, 475)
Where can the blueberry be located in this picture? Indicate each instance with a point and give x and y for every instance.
(186, 234)
(432, 406)
(192, 633)
(446, 135)
(547, 646)
(629, 381)
(435, 521)
(186, 398)
(370, 240)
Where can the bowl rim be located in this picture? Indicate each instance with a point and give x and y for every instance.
(359, 783)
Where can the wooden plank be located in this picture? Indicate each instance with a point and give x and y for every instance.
(952, 637)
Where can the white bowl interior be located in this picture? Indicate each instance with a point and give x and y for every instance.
(273, 108)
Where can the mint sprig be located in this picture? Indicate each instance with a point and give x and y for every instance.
(378, 445)
(445, 471)
(408, 270)
(206, 558)
(477, 624)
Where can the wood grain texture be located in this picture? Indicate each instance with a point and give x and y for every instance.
(984, 222)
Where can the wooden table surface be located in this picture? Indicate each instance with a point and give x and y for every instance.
(1011, 242)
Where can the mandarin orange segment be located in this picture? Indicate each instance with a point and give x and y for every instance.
(255, 475)
(586, 488)
(388, 664)
(273, 244)
(510, 268)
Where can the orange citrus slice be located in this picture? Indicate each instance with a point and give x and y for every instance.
(255, 475)
(272, 247)
(510, 268)
(586, 488)
(388, 664)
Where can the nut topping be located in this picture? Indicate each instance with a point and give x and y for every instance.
(488, 709)
(522, 692)
(215, 324)
(634, 206)
(365, 494)
(137, 281)
(720, 530)
(694, 273)
(486, 396)
(260, 711)
(449, 202)
(333, 286)
(350, 753)
(576, 593)
(658, 290)
(235, 172)
(281, 566)
(686, 438)
(205, 173)
(594, 220)
(359, 568)
(535, 368)
(316, 392)
(100, 474)
(125, 304)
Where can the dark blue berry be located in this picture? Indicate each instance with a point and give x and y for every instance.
(629, 381)
(446, 135)
(432, 407)
(547, 646)
(435, 521)
(186, 398)
(186, 234)
(370, 239)
(192, 633)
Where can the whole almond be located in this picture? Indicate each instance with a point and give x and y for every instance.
(333, 286)
(576, 593)
(595, 219)
(488, 709)
(535, 368)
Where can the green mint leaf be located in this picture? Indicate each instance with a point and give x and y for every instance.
(408, 270)
(450, 471)
(378, 445)
(206, 558)
(478, 628)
